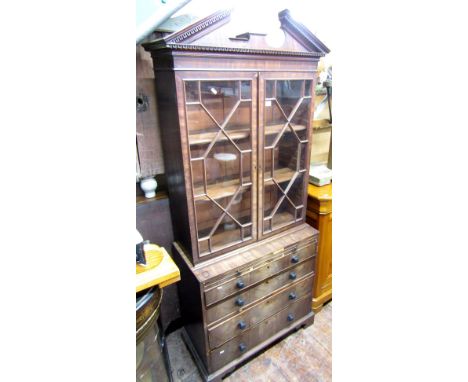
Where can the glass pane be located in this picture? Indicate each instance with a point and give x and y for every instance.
(246, 168)
(267, 226)
(202, 129)
(220, 139)
(271, 196)
(302, 162)
(288, 93)
(239, 125)
(269, 89)
(246, 91)
(191, 91)
(286, 214)
(274, 122)
(240, 206)
(286, 161)
(308, 87)
(286, 123)
(222, 170)
(228, 232)
(207, 214)
(295, 193)
(268, 160)
(197, 177)
(300, 119)
(247, 232)
(203, 247)
(299, 212)
(219, 98)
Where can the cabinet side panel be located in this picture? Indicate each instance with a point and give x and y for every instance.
(173, 159)
(191, 305)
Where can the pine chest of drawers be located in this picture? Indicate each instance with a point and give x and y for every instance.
(238, 304)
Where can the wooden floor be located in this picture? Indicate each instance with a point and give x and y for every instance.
(304, 356)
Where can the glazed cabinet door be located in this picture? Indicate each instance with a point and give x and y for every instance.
(285, 116)
(221, 130)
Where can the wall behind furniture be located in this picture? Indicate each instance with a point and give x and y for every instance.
(148, 137)
(153, 218)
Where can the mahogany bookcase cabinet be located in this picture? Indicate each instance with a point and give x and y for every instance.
(235, 110)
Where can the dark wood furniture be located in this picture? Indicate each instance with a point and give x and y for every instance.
(319, 216)
(235, 109)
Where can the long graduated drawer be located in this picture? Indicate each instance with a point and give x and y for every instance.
(253, 274)
(260, 332)
(236, 325)
(247, 297)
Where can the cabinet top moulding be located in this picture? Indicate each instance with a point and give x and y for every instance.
(212, 36)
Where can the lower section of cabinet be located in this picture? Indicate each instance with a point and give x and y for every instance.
(231, 366)
(237, 305)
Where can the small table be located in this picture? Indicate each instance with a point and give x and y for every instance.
(319, 216)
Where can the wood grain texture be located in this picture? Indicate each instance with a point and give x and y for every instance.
(241, 259)
(163, 274)
(206, 51)
(319, 215)
(271, 275)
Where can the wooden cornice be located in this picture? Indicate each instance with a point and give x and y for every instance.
(202, 26)
(301, 33)
(182, 40)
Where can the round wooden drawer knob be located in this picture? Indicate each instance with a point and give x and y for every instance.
(240, 284)
(242, 347)
(242, 325)
(240, 301)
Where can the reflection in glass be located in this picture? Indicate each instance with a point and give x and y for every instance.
(287, 122)
(219, 123)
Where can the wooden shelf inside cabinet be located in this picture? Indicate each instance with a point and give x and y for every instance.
(207, 138)
(220, 190)
(281, 175)
(236, 134)
(228, 188)
(282, 218)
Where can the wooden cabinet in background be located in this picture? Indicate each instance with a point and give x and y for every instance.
(319, 216)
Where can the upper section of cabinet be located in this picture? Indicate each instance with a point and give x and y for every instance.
(235, 110)
(223, 33)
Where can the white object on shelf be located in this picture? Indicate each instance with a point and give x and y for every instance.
(225, 157)
(320, 175)
(148, 185)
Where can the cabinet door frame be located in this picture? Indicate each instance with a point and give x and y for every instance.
(182, 76)
(263, 77)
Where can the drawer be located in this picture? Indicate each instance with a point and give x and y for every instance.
(249, 276)
(259, 333)
(236, 325)
(248, 297)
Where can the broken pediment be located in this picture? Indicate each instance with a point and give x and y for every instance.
(226, 31)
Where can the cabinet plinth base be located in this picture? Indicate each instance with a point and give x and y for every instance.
(318, 302)
(218, 375)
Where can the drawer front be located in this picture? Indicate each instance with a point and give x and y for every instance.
(246, 298)
(259, 333)
(291, 255)
(236, 325)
